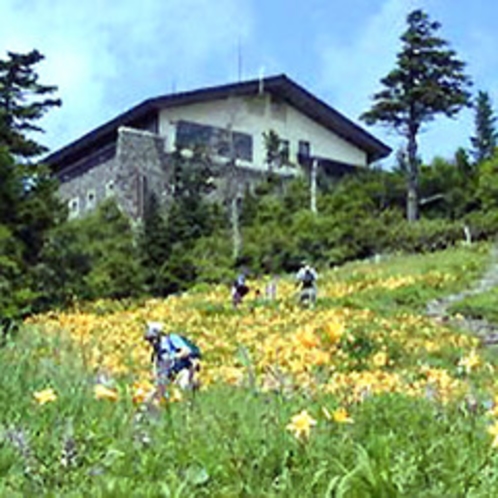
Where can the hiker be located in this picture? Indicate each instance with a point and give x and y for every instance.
(306, 277)
(176, 359)
(239, 289)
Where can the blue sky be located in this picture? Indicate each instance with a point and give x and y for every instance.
(108, 56)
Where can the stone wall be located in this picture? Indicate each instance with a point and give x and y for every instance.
(85, 191)
(138, 166)
(142, 169)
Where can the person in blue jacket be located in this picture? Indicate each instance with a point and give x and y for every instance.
(173, 356)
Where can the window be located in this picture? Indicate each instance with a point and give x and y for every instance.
(74, 207)
(284, 150)
(91, 199)
(216, 140)
(243, 146)
(304, 149)
(109, 189)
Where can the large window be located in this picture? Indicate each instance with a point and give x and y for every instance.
(216, 140)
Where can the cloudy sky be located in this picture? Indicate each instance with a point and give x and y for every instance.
(107, 56)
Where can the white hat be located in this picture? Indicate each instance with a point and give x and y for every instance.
(153, 330)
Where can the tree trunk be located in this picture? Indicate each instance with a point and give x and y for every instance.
(412, 179)
(233, 194)
(235, 222)
(313, 185)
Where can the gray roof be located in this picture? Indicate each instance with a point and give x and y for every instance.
(280, 86)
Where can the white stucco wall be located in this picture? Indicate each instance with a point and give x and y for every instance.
(258, 114)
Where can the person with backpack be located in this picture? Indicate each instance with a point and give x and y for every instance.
(306, 277)
(239, 289)
(176, 359)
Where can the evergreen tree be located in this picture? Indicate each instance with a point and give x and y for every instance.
(277, 150)
(190, 214)
(23, 101)
(155, 244)
(484, 141)
(109, 241)
(428, 80)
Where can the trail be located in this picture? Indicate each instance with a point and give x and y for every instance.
(486, 331)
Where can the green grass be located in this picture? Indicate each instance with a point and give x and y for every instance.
(465, 265)
(481, 306)
(230, 442)
(233, 442)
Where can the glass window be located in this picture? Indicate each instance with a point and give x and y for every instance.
(216, 140)
(285, 149)
(74, 207)
(304, 149)
(109, 188)
(91, 199)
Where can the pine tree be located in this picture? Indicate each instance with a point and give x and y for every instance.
(484, 141)
(428, 80)
(23, 101)
(29, 205)
(155, 244)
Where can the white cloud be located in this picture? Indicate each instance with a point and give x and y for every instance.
(105, 57)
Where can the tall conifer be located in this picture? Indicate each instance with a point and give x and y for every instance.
(484, 141)
(428, 80)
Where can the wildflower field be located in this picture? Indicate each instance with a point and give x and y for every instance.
(361, 396)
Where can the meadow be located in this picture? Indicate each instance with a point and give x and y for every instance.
(362, 396)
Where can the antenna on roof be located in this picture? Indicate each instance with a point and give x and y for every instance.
(261, 80)
(239, 60)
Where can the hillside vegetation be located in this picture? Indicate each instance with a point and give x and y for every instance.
(362, 396)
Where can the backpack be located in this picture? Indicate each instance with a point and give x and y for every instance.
(159, 351)
(195, 351)
(308, 277)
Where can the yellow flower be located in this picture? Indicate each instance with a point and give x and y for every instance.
(470, 362)
(335, 331)
(175, 395)
(45, 396)
(340, 416)
(493, 431)
(300, 425)
(380, 359)
(141, 394)
(103, 392)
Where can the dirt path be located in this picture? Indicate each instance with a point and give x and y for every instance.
(486, 331)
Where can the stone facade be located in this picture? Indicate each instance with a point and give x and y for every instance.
(137, 163)
(142, 168)
(136, 166)
(86, 189)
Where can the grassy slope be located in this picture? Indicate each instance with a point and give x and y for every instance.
(418, 412)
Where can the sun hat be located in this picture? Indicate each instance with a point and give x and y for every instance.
(153, 330)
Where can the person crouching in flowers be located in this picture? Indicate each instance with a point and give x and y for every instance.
(175, 358)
